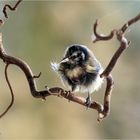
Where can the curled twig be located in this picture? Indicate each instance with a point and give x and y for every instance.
(10, 7)
(99, 37)
(11, 91)
(124, 43)
(37, 76)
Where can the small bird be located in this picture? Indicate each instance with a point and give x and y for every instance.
(79, 70)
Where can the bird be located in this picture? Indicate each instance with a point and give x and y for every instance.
(79, 70)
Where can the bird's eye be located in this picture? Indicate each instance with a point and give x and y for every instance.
(73, 56)
(78, 54)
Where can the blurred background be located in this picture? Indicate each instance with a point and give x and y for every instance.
(39, 32)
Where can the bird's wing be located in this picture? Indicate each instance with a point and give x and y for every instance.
(91, 69)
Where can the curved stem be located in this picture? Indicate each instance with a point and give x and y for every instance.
(29, 75)
(11, 91)
(107, 98)
(10, 7)
(56, 91)
(101, 37)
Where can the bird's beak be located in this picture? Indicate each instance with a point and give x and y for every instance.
(65, 60)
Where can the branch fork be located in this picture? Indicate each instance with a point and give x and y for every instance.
(103, 110)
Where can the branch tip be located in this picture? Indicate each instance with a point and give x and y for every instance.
(37, 76)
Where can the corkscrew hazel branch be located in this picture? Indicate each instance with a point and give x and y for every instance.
(103, 110)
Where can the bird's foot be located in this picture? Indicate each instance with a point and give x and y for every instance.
(67, 93)
(88, 102)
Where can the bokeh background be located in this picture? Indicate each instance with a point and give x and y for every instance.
(39, 32)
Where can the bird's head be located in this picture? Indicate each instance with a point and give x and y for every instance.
(76, 55)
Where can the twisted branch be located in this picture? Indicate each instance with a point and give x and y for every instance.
(46, 92)
(124, 43)
(100, 37)
(10, 7)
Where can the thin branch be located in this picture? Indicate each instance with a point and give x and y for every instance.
(124, 43)
(37, 76)
(113, 61)
(10, 7)
(130, 22)
(99, 37)
(11, 91)
(107, 98)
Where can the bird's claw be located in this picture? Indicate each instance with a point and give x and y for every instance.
(67, 93)
(88, 102)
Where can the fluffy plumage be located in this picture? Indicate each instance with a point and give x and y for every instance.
(79, 70)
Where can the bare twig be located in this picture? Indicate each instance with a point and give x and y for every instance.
(37, 76)
(113, 61)
(12, 94)
(99, 37)
(120, 33)
(10, 7)
(107, 98)
(130, 22)
(124, 43)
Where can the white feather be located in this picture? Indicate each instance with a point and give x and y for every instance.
(55, 66)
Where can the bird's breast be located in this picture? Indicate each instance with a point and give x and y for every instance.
(75, 72)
